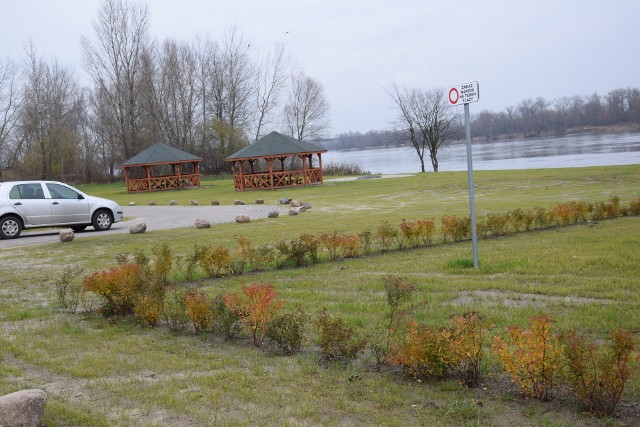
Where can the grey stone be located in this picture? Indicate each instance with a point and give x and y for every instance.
(238, 202)
(307, 205)
(22, 408)
(173, 203)
(152, 203)
(294, 204)
(302, 209)
(138, 228)
(194, 202)
(259, 202)
(66, 236)
(132, 203)
(285, 201)
(242, 219)
(215, 203)
(293, 212)
(202, 223)
(273, 214)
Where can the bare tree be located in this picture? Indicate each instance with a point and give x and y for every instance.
(427, 118)
(307, 110)
(114, 59)
(270, 79)
(47, 121)
(175, 94)
(10, 100)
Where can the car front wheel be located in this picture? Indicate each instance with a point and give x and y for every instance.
(102, 220)
(10, 227)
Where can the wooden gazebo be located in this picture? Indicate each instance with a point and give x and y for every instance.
(161, 167)
(276, 161)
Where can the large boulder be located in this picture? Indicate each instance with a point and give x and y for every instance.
(293, 212)
(132, 203)
(273, 214)
(173, 203)
(307, 205)
(259, 201)
(22, 408)
(66, 236)
(238, 202)
(294, 204)
(193, 202)
(242, 219)
(285, 201)
(138, 228)
(202, 223)
(215, 203)
(152, 203)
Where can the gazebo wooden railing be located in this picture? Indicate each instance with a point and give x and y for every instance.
(273, 180)
(162, 183)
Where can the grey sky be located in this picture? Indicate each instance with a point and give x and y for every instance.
(356, 49)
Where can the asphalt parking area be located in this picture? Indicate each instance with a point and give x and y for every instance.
(156, 218)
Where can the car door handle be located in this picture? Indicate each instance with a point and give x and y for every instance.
(18, 204)
(55, 203)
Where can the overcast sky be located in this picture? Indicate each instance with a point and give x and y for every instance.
(515, 49)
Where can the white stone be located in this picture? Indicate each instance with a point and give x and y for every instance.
(22, 408)
(138, 228)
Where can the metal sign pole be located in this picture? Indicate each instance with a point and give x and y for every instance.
(472, 203)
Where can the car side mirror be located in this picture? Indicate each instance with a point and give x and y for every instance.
(80, 197)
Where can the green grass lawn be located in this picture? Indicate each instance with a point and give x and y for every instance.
(100, 371)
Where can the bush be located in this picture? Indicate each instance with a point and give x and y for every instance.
(386, 235)
(255, 307)
(286, 331)
(174, 309)
(297, 250)
(214, 260)
(634, 207)
(148, 309)
(399, 294)
(465, 339)
(68, 288)
(162, 263)
(241, 256)
(609, 210)
(199, 311)
(118, 287)
(351, 246)
(531, 357)
(417, 232)
(187, 264)
(261, 256)
(226, 322)
(424, 353)
(342, 169)
(337, 341)
(598, 373)
(332, 242)
(455, 228)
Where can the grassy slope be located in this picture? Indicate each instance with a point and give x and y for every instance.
(118, 373)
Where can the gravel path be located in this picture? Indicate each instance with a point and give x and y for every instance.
(156, 218)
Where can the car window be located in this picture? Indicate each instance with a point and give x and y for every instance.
(61, 192)
(26, 191)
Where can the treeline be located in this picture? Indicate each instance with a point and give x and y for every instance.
(530, 118)
(208, 97)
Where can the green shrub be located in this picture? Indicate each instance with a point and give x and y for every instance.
(162, 263)
(399, 294)
(634, 207)
(214, 260)
(598, 373)
(68, 288)
(286, 331)
(174, 308)
(336, 340)
(386, 235)
(226, 322)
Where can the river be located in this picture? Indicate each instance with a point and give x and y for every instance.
(531, 153)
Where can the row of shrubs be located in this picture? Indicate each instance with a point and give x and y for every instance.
(215, 261)
(537, 358)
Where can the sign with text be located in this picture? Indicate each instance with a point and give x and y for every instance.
(464, 93)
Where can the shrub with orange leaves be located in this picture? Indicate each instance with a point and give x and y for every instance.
(118, 287)
(199, 311)
(531, 356)
(255, 305)
(465, 338)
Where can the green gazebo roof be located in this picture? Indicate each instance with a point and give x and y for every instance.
(160, 153)
(273, 145)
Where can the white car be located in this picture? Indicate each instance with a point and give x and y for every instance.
(36, 204)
